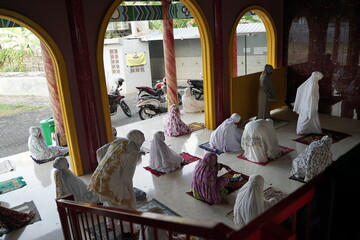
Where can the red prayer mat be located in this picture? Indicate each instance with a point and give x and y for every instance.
(231, 186)
(309, 138)
(284, 151)
(188, 158)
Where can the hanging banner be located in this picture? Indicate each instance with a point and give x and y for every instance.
(135, 59)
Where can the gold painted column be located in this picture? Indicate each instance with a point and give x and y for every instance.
(54, 95)
(169, 55)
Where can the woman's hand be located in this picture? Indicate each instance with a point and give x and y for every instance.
(225, 166)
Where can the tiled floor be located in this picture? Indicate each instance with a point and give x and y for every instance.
(169, 189)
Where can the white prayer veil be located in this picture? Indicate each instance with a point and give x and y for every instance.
(307, 95)
(190, 104)
(227, 137)
(137, 137)
(306, 105)
(249, 201)
(162, 158)
(67, 183)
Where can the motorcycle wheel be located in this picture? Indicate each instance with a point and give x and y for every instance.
(179, 99)
(113, 110)
(143, 113)
(125, 108)
(196, 94)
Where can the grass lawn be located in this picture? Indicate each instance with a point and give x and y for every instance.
(11, 109)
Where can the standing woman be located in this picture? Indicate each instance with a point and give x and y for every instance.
(206, 185)
(306, 105)
(266, 93)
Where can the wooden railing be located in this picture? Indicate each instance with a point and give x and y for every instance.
(80, 221)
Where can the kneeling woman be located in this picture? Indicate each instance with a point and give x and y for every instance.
(206, 185)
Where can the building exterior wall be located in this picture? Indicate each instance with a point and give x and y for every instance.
(23, 84)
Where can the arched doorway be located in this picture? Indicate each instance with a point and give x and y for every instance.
(61, 81)
(243, 89)
(207, 62)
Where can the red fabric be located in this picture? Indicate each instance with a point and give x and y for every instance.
(188, 158)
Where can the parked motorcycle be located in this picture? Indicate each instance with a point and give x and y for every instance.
(156, 91)
(196, 87)
(149, 106)
(116, 99)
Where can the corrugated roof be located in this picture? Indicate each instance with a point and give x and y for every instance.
(193, 32)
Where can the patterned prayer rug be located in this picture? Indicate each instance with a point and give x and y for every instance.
(6, 166)
(206, 146)
(284, 151)
(188, 158)
(309, 138)
(155, 203)
(11, 184)
(194, 126)
(231, 186)
(25, 208)
(269, 193)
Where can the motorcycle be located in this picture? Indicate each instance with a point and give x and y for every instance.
(149, 106)
(156, 91)
(196, 87)
(116, 99)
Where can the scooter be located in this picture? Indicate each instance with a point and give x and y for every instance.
(196, 87)
(156, 91)
(116, 99)
(149, 106)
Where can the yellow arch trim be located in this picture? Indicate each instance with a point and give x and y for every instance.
(61, 82)
(271, 38)
(207, 62)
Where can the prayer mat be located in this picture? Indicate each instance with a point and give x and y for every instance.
(278, 123)
(188, 158)
(231, 186)
(155, 203)
(284, 151)
(25, 208)
(309, 138)
(6, 166)
(194, 126)
(140, 195)
(47, 160)
(297, 179)
(269, 193)
(12, 184)
(206, 146)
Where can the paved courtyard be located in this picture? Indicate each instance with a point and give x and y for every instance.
(15, 128)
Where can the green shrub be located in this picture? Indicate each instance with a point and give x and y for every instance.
(11, 60)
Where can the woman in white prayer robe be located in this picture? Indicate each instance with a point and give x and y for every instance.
(227, 137)
(162, 158)
(313, 160)
(250, 201)
(100, 153)
(190, 104)
(39, 151)
(259, 141)
(266, 93)
(306, 105)
(112, 180)
(67, 183)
